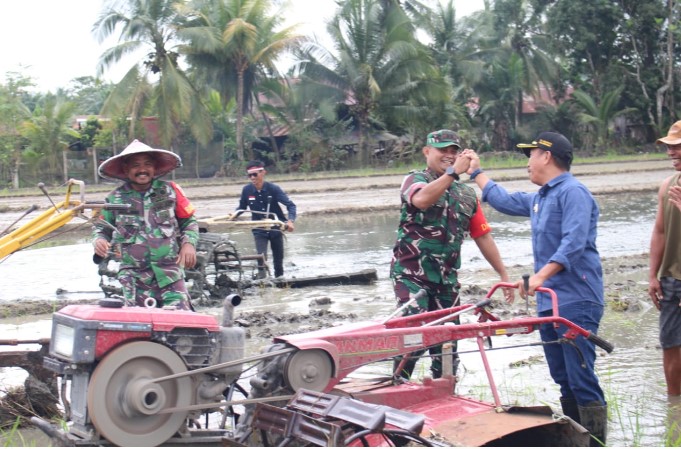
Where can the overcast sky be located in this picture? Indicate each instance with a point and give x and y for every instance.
(51, 40)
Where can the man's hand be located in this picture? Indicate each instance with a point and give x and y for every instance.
(102, 248)
(675, 196)
(289, 226)
(509, 293)
(474, 159)
(461, 164)
(534, 283)
(187, 256)
(655, 292)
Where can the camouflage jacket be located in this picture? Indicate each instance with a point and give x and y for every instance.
(428, 247)
(150, 234)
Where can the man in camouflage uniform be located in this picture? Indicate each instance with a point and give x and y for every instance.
(437, 213)
(156, 236)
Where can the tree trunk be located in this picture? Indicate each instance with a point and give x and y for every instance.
(95, 173)
(669, 78)
(363, 141)
(519, 112)
(196, 163)
(15, 174)
(273, 140)
(240, 116)
(500, 140)
(65, 169)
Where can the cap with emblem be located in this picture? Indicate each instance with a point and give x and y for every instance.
(556, 143)
(443, 138)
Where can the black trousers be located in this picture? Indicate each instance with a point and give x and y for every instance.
(275, 238)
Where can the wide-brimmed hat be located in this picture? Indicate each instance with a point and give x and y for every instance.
(559, 146)
(673, 137)
(166, 161)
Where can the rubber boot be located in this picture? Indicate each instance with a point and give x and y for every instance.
(408, 367)
(436, 370)
(594, 418)
(569, 406)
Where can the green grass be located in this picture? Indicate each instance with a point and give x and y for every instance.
(13, 437)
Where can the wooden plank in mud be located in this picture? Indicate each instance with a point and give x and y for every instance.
(363, 277)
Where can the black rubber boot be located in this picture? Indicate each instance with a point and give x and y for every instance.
(569, 406)
(436, 370)
(408, 367)
(594, 418)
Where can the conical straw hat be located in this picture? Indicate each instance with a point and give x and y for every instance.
(166, 161)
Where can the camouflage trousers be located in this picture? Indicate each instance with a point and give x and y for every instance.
(141, 285)
(439, 297)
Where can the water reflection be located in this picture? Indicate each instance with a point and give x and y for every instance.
(632, 377)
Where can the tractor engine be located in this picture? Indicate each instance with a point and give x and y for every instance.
(126, 364)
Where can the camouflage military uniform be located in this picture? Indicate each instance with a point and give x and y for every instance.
(428, 249)
(149, 238)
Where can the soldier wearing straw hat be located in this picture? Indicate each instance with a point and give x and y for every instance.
(157, 235)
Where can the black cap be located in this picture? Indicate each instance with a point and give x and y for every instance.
(556, 143)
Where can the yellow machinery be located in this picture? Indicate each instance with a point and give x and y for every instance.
(52, 219)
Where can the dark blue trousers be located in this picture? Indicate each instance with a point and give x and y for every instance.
(574, 374)
(275, 238)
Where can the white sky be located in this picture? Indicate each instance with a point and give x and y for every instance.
(51, 40)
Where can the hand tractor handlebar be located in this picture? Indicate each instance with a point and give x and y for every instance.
(595, 339)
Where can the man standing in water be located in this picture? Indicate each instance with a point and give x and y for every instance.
(665, 263)
(564, 221)
(157, 236)
(263, 199)
(437, 213)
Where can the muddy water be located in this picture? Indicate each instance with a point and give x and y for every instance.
(631, 376)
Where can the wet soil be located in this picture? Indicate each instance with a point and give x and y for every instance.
(352, 194)
(625, 277)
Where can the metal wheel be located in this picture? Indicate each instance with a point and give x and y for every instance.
(123, 404)
(310, 369)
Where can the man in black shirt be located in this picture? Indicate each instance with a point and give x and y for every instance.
(264, 199)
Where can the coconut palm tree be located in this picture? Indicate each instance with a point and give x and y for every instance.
(49, 133)
(13, 112)
(506, 59)
(375, 60)
(526, 48)
(231, 44)
(148, 27)
(599, 115)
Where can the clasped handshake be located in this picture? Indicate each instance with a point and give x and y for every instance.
(467, 161)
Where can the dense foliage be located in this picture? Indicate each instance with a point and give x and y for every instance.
(208, 86)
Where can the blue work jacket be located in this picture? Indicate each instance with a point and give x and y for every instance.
(564, 220)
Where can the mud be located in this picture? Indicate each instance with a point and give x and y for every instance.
(623, 277)
(316, 195)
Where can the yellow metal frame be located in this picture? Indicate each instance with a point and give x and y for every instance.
(52, 219)
(61, 213)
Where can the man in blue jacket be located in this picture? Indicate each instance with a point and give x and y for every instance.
(564, 220)
(264, 199)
